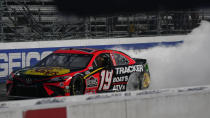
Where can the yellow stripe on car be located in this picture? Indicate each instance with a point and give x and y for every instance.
(93, 72)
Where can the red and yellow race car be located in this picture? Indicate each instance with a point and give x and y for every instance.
(80, 71)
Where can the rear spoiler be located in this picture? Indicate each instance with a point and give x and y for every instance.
(140, 61)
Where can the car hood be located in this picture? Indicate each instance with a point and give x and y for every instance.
(46, 71)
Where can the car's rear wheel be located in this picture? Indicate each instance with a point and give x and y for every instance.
(77, 85)
(134, 82)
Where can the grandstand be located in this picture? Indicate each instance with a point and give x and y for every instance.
(29, 20)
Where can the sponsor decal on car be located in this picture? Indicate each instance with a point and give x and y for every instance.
(47, 71)
(120, 79)
(121, 87)
(92, 82)
(129, 69)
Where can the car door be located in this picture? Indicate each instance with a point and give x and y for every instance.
(111, 76)
(120, 76)
(101, 75)
(106, 74)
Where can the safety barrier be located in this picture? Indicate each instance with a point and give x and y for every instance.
(189, 102)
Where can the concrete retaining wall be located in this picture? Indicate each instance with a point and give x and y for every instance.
(191, 102)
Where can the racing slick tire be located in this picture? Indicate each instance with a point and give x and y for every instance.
(77, 85)
(138, 81)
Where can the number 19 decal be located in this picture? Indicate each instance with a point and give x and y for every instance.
(106, 79)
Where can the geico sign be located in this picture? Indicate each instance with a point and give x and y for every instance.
(11, 61)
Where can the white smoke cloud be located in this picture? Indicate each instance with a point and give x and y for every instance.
(187, 64)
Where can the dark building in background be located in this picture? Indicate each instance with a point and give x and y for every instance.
(29, 20)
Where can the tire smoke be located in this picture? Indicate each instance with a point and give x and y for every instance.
(187, 64)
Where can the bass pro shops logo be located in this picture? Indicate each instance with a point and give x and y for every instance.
(92, 82)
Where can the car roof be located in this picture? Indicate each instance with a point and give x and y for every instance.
(77, 50)
(90, 51)
(83, 50)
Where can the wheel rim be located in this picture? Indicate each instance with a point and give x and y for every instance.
(78, 87)
(146, 81)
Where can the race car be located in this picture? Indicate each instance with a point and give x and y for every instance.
(77, 71)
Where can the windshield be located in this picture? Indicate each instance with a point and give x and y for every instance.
(71, 61)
